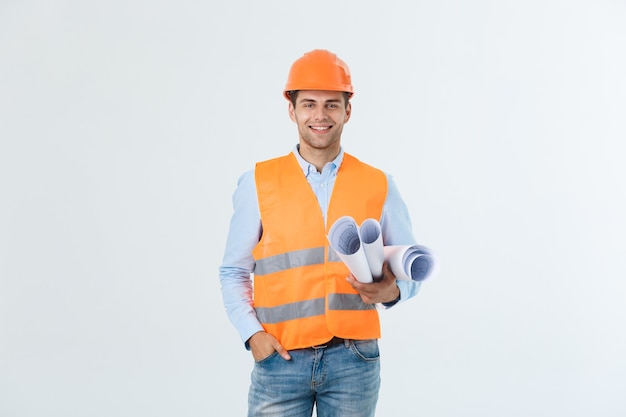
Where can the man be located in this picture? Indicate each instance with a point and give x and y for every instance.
(311, 326)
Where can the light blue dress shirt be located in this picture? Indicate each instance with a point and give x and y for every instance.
(245, 231)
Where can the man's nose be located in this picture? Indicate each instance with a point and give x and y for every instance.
(320, 113)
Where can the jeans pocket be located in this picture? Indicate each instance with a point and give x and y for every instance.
(268, 358)
(366, 350)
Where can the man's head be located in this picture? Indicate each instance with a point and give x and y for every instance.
(320, 116)
(319, 88)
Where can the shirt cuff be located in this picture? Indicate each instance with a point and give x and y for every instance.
(394, 302)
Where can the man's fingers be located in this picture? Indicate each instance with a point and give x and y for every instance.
(282, 352)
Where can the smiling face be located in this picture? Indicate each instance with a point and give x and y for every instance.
(320, 116)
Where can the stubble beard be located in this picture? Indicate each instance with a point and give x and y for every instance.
(320, 143)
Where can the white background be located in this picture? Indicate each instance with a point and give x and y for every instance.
(124, 126)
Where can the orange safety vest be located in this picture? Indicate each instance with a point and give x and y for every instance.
(301, 296)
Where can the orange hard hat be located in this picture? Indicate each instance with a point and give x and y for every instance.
(319, 70)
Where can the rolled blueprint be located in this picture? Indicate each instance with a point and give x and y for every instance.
(410, 262)
(372, 240)
(345, 240)
(363, 252)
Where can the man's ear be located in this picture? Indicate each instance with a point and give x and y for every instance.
(348, 112)
(292, 112)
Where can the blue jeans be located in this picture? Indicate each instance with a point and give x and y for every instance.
(340, 380)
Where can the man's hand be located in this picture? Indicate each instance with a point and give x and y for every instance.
(383, 291)
(264, 344)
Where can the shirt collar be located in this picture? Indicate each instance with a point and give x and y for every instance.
(307, 168)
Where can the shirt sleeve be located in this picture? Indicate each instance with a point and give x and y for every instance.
(238, 262)
(397, 229)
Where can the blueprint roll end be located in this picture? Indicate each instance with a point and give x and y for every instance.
(422, 267)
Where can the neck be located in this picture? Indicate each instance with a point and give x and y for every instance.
(318, 157)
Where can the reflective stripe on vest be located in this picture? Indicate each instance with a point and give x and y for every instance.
(300, 292)
(309, 308)
(288, 260)
(292, 259)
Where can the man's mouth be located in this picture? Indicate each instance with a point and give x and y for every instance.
(320, 128)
